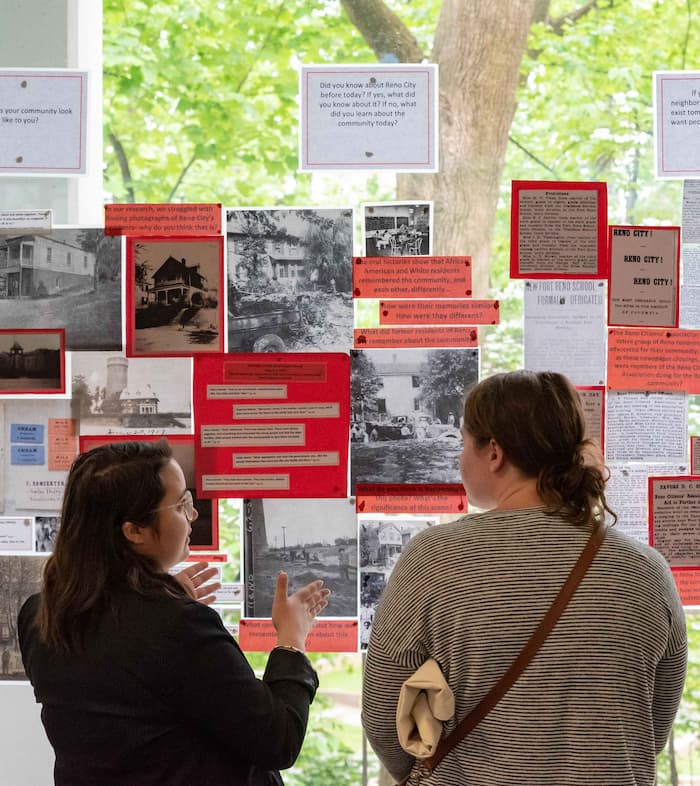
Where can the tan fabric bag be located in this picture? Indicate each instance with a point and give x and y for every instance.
(425, 702)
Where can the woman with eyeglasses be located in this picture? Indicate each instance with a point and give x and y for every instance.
(140, 682)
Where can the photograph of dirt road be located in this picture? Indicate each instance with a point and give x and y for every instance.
(313, 539)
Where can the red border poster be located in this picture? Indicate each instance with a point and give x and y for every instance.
(566, 225)
(185, 460)
(31, 357)
(272, 425)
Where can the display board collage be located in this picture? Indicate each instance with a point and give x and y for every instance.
(241, 335)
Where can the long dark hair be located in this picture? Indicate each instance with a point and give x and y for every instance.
(537, 418)
(106, 486)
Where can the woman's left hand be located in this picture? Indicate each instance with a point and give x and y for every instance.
(194, 580)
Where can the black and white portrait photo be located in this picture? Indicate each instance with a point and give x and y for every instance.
(309, 539)
(70, 278)
(381, 542)
(114, 394)
(289, 280)
(406, 413)
(45, 531)
(397, 229)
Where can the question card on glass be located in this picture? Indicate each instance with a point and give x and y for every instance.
(43, 121)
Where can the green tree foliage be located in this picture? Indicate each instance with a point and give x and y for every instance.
(365, 383)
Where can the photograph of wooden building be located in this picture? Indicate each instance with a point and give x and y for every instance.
(36, 265)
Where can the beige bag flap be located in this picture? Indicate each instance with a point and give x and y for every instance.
(425, 702)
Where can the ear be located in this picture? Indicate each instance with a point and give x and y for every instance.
(133, 533)
(496, 456)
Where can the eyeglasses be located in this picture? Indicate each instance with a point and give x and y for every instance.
(186, 505)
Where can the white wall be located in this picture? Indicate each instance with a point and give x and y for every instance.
(48, 34)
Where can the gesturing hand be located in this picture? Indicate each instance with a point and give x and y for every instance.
(194, 580)
(293, 616)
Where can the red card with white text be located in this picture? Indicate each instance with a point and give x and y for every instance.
(272, 425)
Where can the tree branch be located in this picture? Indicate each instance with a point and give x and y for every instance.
(559, 23)
(533, 157)
(383, 30)
(123, 167)
(684, 50)
(181, 177)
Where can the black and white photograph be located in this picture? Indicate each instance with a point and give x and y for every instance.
(45, 531)
(175, 306)
(20, 577)
(311, 539)
(407, 412)
(114, 394)
(289, 280)
(32, 361)
(70, 278)
(397, 229)
(381, 542)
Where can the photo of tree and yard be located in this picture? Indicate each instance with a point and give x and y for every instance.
(529, 89)
(289, 280)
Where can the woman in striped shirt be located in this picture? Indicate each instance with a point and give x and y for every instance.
(597, 703)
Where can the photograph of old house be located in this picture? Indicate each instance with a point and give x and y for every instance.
(68, 279)
(173, 303)
(406, 413)
(32, 361)
(397, 229)
(382, 540)
(289, 275)
(319, 541)
(113, 394)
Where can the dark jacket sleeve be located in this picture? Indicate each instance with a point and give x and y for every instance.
(200, 672)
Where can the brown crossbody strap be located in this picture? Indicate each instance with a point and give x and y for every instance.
(527, 653)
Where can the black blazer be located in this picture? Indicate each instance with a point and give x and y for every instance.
(163, 695)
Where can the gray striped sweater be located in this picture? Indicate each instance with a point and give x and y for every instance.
(597, 702)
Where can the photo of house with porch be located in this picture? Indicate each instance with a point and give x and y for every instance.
(177, 282)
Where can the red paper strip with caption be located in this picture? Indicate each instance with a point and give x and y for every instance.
(593, 400)
(410, 498)
(415, 338)
(34, 361)
(272, 425)
(412, 277)
(558, 229)
(327, 635)
(148, 219)
(432, 312)
(674, 510)
(653, 359)
(205, 528)
(644, 264)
